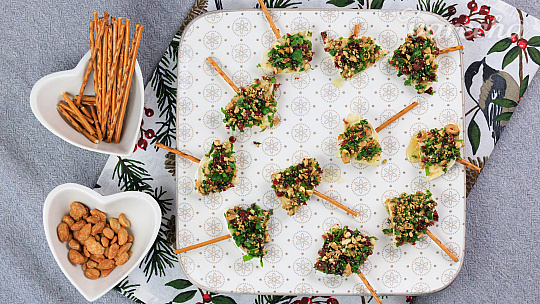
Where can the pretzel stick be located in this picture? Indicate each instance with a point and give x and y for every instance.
(469, 165)
(78, 114)
(104, 74)
(121, 92)
(86, 75)
(436, 240)
(133, 58)
(86, 113)
(93, 30)
(88, 103)
(87, 98)
(451, 49)
(94, 116)
(119, 71)
(107, 105)
(269, 18)
(356, 30)
(75, 125)
(218, 239)
(97, 79)
(398, 115)
(173, 150)
(220, 72)
(72, 113)
(369, 287)
(111, 86)
(113, 67)
(336, 203)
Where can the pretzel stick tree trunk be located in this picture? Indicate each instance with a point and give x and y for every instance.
(269, 18)
(398, 115)
(469, 165)
(180, 153)
(451, 49)
(212, 241)
(440, 244)
(356, 30)
(220, 72)
(370, 288)
(336, 203)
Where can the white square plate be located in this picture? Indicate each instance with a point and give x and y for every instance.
(311, 111)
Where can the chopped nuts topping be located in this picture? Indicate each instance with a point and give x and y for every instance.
(409, 216)
(295, 184)
(253, 105)
(344, 251)
(352, 55)
(249, 229)
(416, 59)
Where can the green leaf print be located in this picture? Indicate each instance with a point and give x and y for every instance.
(534, 41)
(510, 56)
(524, 85)
(179, 284)
(504, 116)
(500, 46)
(185, 296)
(534, 54)
(377, 4)
(473, 132)
(340, 3)
(223, 300)
(505, 103)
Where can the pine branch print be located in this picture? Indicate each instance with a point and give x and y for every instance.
(159, 257)
(131, 175)
(164, 203)
(164, 83)
(128, 290)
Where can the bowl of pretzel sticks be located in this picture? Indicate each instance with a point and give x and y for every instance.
(98, 105)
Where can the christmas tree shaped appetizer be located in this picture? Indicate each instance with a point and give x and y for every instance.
(252, 106)
(409, 217)
(291, 53)
(359, 142)
(294, 185)
(437, 150)
(217, 169)
(352, 55)
(248, 228)
(417, 59)
(344, 251)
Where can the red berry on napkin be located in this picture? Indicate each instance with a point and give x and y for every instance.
(522, 43)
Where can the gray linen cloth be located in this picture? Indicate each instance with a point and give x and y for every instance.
(41, 37)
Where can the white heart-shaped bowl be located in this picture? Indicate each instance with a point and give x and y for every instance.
(48, 91)
(140, 208)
